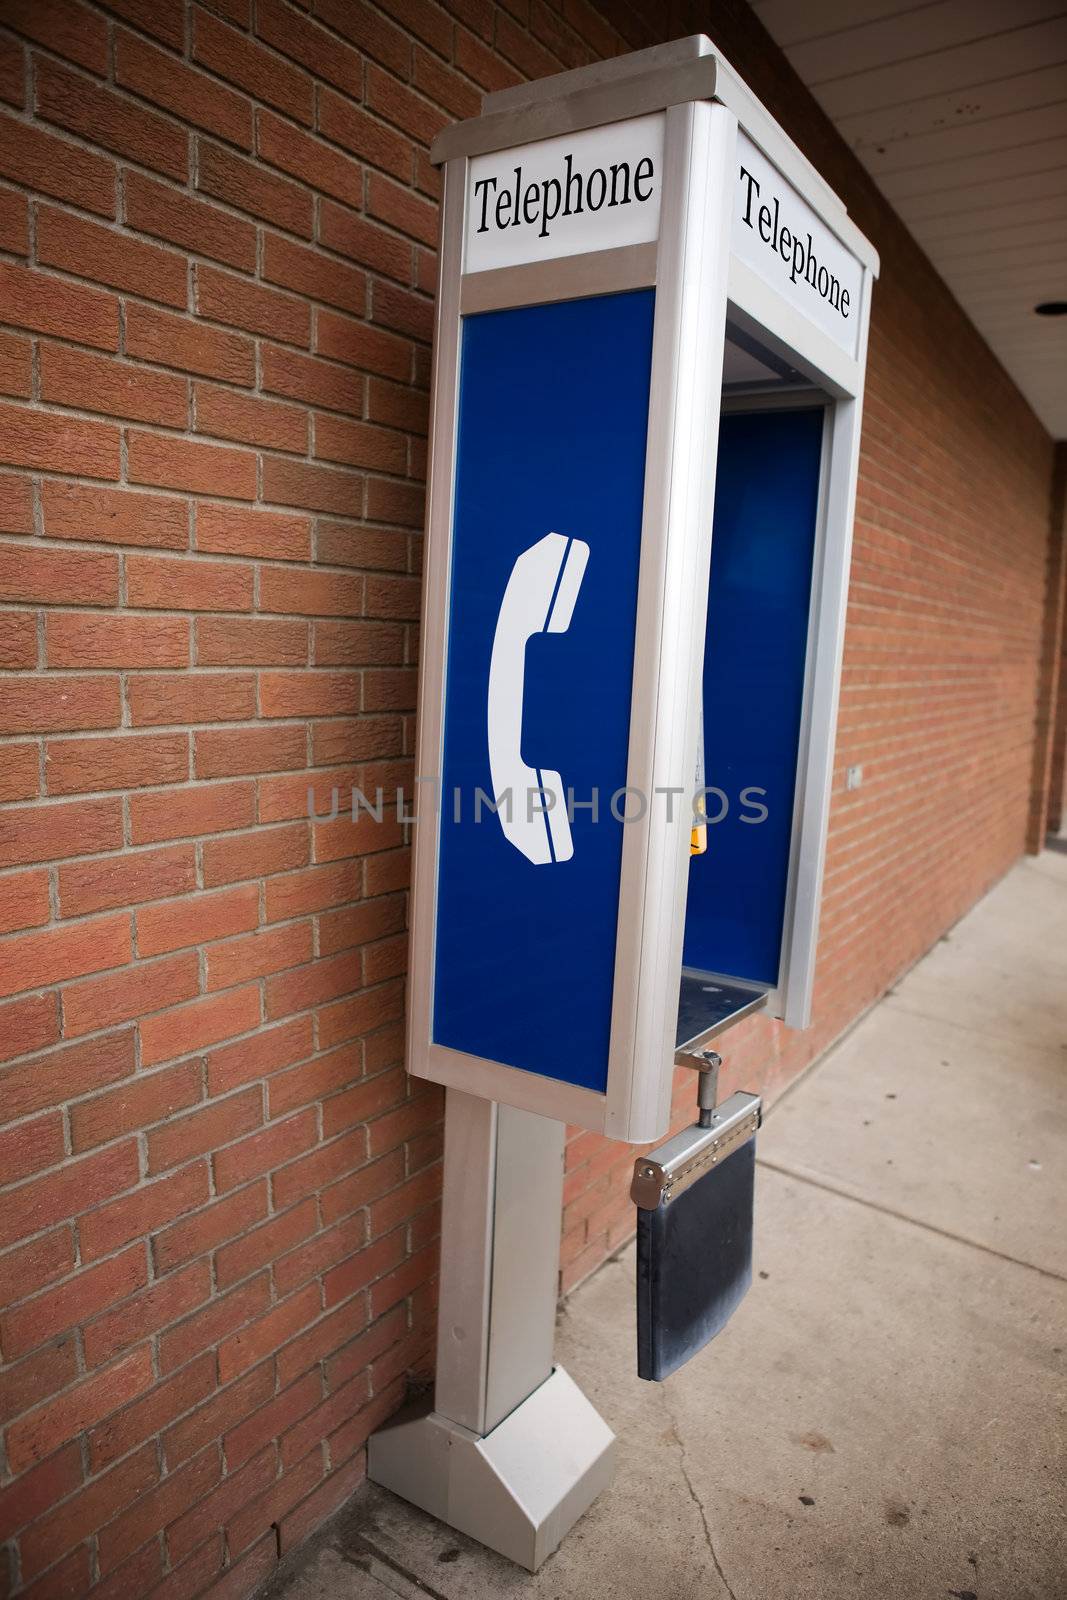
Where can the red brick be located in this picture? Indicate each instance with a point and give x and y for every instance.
(143, 1211)
(30, 1146)
(322, 53)
(136, 876)
(14, 217)
(40, 1432)
(312, 985)
(78, 1519)
(48, 1080)
(221, 1412)
(407, 111)
(70, 30)
(86, 639)
(344, 120)
(327, 1335)
(264, 1152)
(101, 117)
(356, 1356)
(98, 383)
(336, 1410)
(253, 1343)
(306, 378)
(233, 530)
(196, 809)
(12, 72)
(72, 511)
(309, 694)
(256, 1430)
(226, 754)
(255, 855)
(396, 502)
(223, 641)
(145, 987)
(50, 442)
(196, 920)
(314, 1079)
(32, 960)
(266, 423)
(24, 901)
(296, 483)
(363, 1268)
(226, 298)
(313, 274)
(186, 583)
(316, 593)
(16, 366)
(308, 159)
(313, 1171)
(298, 1524)
(139, 1575)
(312, 890)
(270, 951)
(162, 22)
(190, 95)
(126, 762)
(363, 1100)
(358, 1014)
(158, 701)
(402, 210)
(264, 1245)
(325, 1250)
(266, 1511)
(150, 1415)
(154, 1510)
(32, 1266)
(170, 214)
(357, 344)
(146, 1099)
(146, 1313)
(37, 1491)
(270, 1050)
(174, 341)
(202, 1131)
(353, 236)
(89, 250)
(249, 188)
(243, 62)
(235, 1491)
(37, 301)
(222, 1220)
(354, 925)
(35, 1321)
(188, 1028)
(56, 167)
(18, 771)
(215, 1322)
(360, 444)
(33, 705)
(188, 1580)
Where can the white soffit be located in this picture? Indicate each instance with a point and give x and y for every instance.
(958, 109)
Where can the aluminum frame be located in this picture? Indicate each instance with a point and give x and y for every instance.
(699, 285)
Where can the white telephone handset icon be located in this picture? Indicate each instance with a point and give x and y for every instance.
(539, 598)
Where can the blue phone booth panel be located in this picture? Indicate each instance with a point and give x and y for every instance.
(763, 542)
(553, 417)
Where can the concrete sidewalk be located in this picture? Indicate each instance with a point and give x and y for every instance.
(885, 1413)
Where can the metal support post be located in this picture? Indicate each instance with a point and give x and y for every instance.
(512, 1452)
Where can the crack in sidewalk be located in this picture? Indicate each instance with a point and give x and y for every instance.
(683, 1462)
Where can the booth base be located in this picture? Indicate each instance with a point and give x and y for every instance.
(519, 1489)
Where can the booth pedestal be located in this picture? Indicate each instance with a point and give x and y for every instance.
(512, 1452)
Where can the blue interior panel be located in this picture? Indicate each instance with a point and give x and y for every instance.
(763, 542)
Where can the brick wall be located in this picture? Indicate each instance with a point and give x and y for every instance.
(217, 1239)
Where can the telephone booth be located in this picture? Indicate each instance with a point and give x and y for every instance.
(649, 356)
